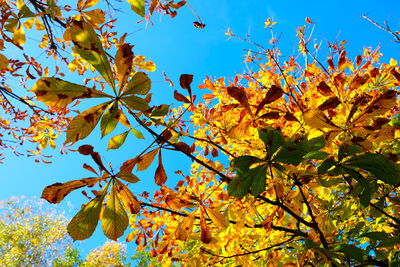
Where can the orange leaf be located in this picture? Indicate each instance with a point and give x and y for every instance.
(160, 177)
(205, 236)
(273, 94)
(145, 161)
(324, 89)
(130, 202)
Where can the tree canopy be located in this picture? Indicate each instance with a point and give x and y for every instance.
(294, 162)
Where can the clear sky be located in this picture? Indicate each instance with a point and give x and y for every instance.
(177, 47)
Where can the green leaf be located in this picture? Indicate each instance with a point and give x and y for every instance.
(160, 111)
(243, 163)
(259, 176)
(316, 155)
(290, 154)
(137, 6)
(117, 141)
(248, 180)
(128, 176)
(109, 120)
(272, 139)
(137, 133)
(114, 219)
(139, 84)
(85, 221)
(135, 103)
(83, 124)
(55, 92)
(377, 235)
(376, 164)
(347, 150)
(89, 47)
(352, 252)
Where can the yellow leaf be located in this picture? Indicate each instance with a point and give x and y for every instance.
(3, 62)
(19, 37)
(132, 205)
(96, 16)
(216, 217)
(317, 119)
(39, 25)
(148, 65)
(29, 23)
(185, 228)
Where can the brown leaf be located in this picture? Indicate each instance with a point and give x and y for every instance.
(89, 168)
(124, 63)
(55, 193)
(273, 94)
(290, 117)
(199, 25)
(330, 103)
(239, 94)
(86, 149)
(396, 74)
(181, 98)
(205, 235)
(181, 146)
(160, 177)
(145, 161)
(185, 80)
(342, 59)
(270, 115)
(324, 89)
(358, 81)
(128, 165)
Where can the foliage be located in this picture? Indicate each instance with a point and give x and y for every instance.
(32, 235)
(293, 164)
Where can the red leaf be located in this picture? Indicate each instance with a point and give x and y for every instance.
(160, 177)
(181, 146)
(330, 103)
(324, 89)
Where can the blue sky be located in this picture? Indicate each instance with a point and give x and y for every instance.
(177, 47)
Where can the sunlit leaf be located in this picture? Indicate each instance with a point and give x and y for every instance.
(83, 124)
(135, 103)
(185, 228)
(114, 219)
(19, 37)
(216, 217)
(124, 62)
(127, 176)
(317, 119)
(85, 221)
(132, 205)
(109, 120)
(89, 47)
(117, 141)
(3, 62)
(55, 92)
(145, 161)
(139, 84)
(137, 6)
(205, 235)
(137, 133)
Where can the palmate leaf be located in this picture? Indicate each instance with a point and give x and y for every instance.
(85, 221)
(83, 124)
(135, 103)
(55, 193)
(377, 165)
(124, 62)
(139, 84)
(132, 205)
(109, 120)
(114, 219)
(55, 92)
(253, 180)
(89, 47)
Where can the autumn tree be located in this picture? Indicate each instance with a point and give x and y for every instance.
(35, 235)
(295, 163)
